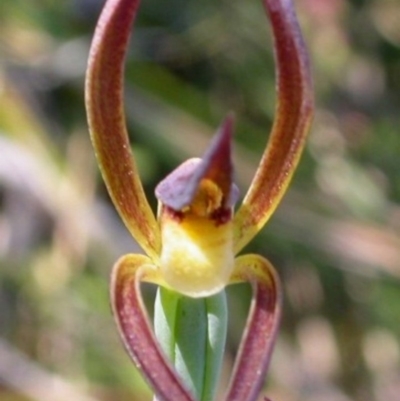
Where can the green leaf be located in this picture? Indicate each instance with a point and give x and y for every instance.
(192, 333)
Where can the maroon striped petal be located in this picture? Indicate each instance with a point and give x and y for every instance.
(104, 103)
(293, 118)
(261, 329)
(135, 330)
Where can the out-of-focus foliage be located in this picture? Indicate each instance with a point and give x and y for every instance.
(335, 239)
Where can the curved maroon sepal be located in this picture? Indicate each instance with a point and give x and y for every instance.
(261, 329)
(179, 188)
(105, 111)
(135, 330)
(294, 111)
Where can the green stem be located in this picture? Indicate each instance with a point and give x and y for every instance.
(192, 334)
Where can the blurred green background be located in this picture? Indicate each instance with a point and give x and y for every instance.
(335, 239)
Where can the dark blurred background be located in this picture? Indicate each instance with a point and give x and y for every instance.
(335, 239)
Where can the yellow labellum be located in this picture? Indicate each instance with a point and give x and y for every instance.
(196, 256)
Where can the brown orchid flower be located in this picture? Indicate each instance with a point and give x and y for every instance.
(191, 245)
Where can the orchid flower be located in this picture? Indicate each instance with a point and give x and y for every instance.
(191, 246)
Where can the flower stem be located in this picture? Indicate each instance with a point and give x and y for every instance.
(192, 334)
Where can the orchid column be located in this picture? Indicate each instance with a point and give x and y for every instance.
(191, 245)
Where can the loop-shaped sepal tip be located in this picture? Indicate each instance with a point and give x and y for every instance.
(135, 330)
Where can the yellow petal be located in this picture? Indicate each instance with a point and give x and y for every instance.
(196, 208)
(196, 257)
(104, 103)
(293, 118)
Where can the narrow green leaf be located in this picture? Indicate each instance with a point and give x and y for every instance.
(165, 308)
(217, 319)
(191, 340)
(192, 333)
